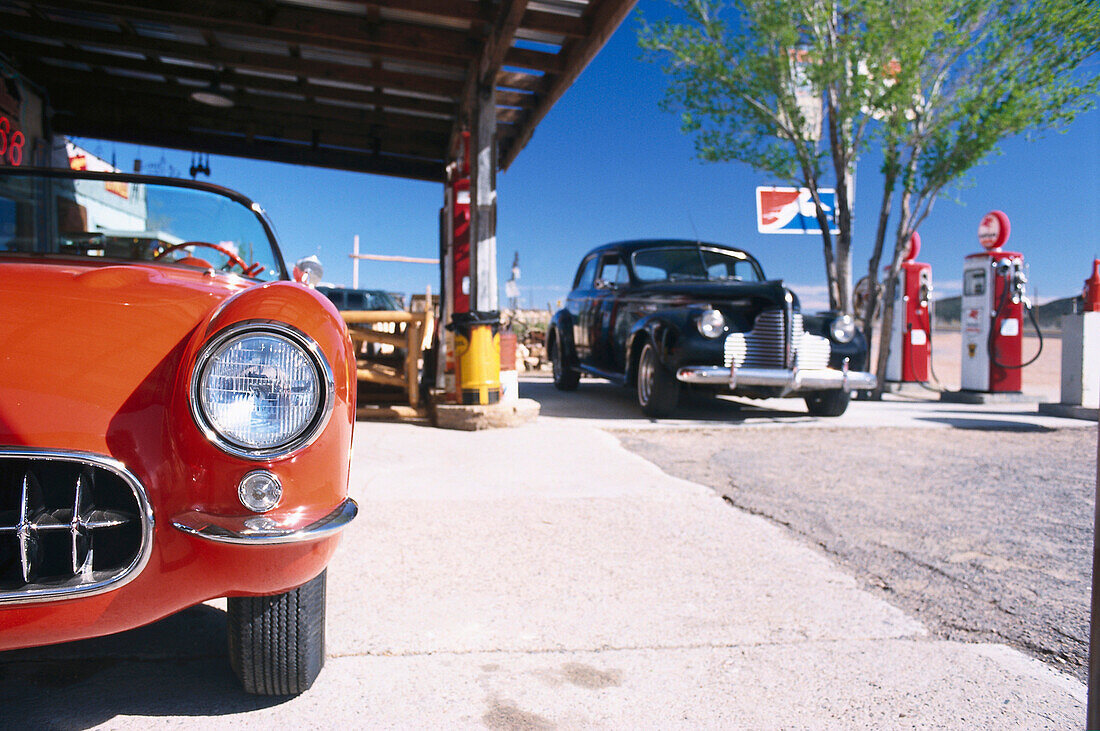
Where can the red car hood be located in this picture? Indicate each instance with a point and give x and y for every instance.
(89, 351)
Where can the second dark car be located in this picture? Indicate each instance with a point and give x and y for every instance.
(664, 315)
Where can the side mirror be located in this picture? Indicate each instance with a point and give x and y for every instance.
(604, 284)
(308, 271)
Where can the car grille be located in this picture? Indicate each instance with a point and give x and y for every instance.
(765, 345)
(70, 524)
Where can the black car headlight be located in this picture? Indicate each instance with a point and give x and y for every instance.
(261, 390)
(843, 329)
(711, 323)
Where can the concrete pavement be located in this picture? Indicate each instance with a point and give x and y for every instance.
(545, 577)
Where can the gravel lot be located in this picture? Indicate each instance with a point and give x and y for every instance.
(984, 535)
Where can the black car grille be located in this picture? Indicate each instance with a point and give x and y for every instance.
(765, 346)
(69, 524)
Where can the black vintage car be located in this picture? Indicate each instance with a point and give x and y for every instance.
(664, 315)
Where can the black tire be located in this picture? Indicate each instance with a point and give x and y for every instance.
(656, 387)
(565, 378)
(277, 643)
(827, 403)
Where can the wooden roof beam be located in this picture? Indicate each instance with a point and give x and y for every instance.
(118, 103)
(101, 118)
(229, 58)
(81, 85)
(247, 82)
(288, 24)
(606, 18)
(356, 161)
(484, 68)
(554, 23)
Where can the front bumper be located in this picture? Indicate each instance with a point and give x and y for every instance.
(262, 530)
(817, 379)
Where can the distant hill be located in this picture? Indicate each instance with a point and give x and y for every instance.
(948, 311)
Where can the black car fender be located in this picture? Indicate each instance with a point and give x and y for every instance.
(659, 328)
(560, 332)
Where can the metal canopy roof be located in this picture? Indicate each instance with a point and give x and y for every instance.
(379, 87)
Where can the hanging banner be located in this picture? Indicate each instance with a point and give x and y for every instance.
(792, 210)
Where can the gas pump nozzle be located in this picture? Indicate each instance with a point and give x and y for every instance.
(1019, 283)
(1015, 280)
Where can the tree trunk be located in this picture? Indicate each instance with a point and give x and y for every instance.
(886, 330)
(875, 261)
(844, 242)
(810, 181)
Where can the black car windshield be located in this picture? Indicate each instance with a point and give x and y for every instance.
(134, 219)
(701, 263)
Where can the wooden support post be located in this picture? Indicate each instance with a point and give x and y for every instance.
(413, 338)
(483, 202)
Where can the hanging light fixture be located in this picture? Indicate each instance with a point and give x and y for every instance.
(212, 95)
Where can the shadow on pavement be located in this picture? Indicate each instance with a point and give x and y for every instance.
(599, 399)
(985, 424)
(178, 666)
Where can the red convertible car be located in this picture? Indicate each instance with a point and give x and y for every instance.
(176, 416)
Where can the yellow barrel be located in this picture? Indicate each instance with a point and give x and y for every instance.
(477, 356)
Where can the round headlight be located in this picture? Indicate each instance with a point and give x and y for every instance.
(711, 323)
(843, 329)
(261, 392)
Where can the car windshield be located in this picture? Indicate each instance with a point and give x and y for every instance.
(360, 299)
(134, 219)
(678, 263)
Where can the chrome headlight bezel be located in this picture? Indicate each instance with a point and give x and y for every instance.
(842, 329)
(711, 323)
(303, 437)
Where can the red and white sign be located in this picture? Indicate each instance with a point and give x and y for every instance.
(792, 210)
(993, 230)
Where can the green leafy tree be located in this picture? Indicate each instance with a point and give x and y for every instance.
(799, 89)
(783, 86)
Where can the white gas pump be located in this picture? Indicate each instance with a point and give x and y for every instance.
(994, 300)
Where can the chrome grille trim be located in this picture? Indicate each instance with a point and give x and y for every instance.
(766, 342)
(734, 350)
(30, 522)
(813, 352)
(766, 345)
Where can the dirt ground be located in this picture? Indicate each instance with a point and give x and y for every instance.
(984, 535)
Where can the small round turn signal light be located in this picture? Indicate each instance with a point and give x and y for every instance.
(260, 491)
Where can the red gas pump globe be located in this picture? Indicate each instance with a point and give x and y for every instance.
(993, 230)
(914, 247)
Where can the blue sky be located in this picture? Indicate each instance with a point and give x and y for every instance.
(606, 164)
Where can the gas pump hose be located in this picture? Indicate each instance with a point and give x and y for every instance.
(931, 365)
(993, 330)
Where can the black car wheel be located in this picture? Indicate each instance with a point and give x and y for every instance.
(565, 378)
(658, 390)
(277, 643)
(827, 403)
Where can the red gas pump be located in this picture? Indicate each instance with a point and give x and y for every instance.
(460, 192)
(910, 354)
(993, 305)
(1091, 293)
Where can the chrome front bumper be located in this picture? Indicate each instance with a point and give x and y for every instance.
(262, 530)
(817, 379)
